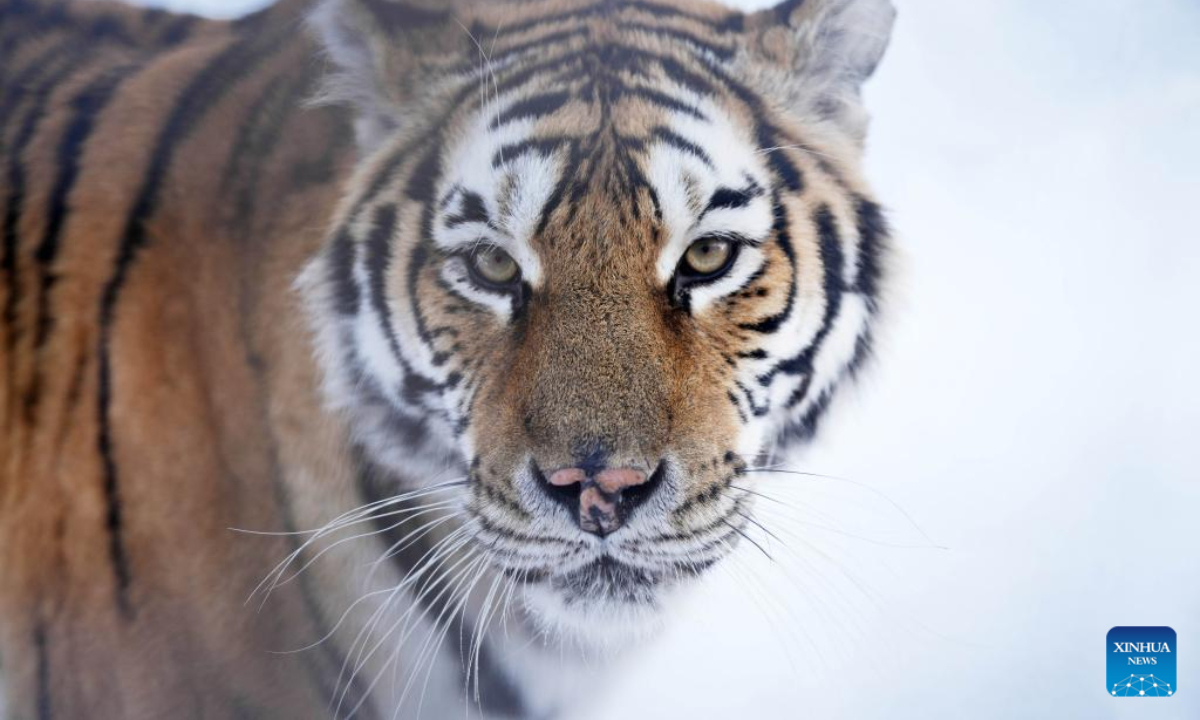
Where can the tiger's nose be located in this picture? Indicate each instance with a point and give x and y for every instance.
(603, 498)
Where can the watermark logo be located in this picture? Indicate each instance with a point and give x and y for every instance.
(1141, 662)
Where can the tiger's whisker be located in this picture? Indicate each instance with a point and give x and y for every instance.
(342, 521)
(431, 559)
(454, 589)
(279, 579)
(461, 482)
(481, 631)
(749, 539)
(875, 491)
(413, 513)
(411, 538)
(458, 599)
(364, 656)
(760, 526)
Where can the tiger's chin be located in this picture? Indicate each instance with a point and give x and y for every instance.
(604, 606)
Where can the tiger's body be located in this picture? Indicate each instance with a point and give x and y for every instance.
(166, 182)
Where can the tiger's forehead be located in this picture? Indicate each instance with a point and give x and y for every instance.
(612, 146)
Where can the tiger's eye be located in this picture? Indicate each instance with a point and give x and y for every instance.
(494, 265)
(708, 256)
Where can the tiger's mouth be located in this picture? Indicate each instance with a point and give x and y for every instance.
(608, 580)
(603, 585)
(604, 604)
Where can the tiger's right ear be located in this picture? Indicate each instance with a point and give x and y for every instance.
(382, 52)
(814, 56)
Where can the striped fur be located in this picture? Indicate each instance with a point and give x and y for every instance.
(236, 295)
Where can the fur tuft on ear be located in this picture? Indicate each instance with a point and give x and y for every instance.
(819, 52)
(375, 48)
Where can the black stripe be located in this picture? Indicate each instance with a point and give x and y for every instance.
(731, 23)
(756, 410)
(681, 143)
(611, 59)
(86, 108)
(783, 238)
(569, 66)
(806, 426)
(574, 159)
(544, 20)
(257, 137)
(543, 44)
(22, 84)
(727, 197)
(532, 108)
(342, 258)
(737, 406)
(832, 264)
(420, 187)
(42, 675)
(872, 234)
(783, 11)
(678, 73)
(179, 29)
(27, 130)
(721, 52)
(472, 211)
(378, 261)
(201, 95)
(394, 17)
(544, 146)
(34, 18)
(706, 496)
(658, 98)
(732, 198)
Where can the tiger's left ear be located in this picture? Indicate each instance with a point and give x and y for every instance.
(385, 53)
(817, 53)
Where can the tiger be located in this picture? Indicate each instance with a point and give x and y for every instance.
(403, 358)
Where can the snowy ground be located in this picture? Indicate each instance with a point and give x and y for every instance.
(1021, 466)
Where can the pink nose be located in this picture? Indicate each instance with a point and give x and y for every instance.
(601, 510)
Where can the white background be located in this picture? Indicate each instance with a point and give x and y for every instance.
(1021, 468)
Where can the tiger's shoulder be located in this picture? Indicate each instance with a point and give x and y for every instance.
(161, 182)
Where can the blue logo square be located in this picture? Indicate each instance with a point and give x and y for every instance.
(1141, 662)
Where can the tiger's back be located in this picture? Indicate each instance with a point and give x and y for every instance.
(149, 162)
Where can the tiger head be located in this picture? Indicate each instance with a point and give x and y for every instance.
(602, 256)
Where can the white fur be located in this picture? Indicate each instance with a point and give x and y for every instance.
(734, 160)
(469, 164)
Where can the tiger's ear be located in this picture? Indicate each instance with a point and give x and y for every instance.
(819, 52)
(382, 53)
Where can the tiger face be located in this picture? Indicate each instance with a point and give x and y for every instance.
(603, 257)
